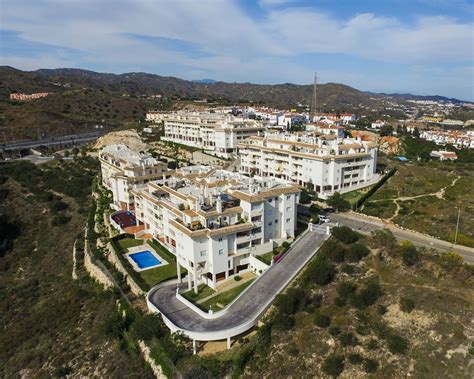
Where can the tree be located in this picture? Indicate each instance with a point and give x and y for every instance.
(386, 130)
(338, 202)
(305, 198)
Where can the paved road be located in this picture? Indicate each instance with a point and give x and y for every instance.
(60, 140)
(253, 303)
(366, 225)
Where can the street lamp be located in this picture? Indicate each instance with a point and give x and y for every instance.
(457, 227)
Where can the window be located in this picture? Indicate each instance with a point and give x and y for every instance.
(288, 209)
(288, 197)
(203, 253)
(270, 200)
(270, 223)
(220, 239)
(288, 220)
(221, 251)
(276, 221)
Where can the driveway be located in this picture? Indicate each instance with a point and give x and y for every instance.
(366, 225)
(247, 310)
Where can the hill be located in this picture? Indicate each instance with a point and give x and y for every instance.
(143, 84)
(81, 98)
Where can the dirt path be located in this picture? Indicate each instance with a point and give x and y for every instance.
(439, 194)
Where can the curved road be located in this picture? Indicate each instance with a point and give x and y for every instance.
(250, 306)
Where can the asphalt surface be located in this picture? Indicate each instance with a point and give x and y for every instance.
(253, 302)
(366, 225)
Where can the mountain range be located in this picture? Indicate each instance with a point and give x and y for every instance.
(331, 95)
(81, 99)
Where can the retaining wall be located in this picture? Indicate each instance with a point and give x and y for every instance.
(95, 271)
(112, 257)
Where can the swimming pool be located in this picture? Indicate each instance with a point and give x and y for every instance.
(145, 259)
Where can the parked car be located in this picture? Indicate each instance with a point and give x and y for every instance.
(323, 219)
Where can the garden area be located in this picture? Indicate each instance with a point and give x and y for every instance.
(146, 279)
(207, 298)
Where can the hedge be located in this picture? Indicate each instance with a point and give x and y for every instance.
(374, 189)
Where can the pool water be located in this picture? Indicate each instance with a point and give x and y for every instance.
(145, 259)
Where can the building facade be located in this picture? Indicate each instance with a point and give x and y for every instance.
(214, 221)
(124, 170)
(324, 163)
(216, 133)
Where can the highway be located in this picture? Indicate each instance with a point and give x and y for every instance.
(73, 139)
(366, 225)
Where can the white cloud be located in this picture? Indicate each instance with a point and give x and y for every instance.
(234, 45)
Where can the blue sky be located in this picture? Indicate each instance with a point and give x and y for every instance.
(417, 46)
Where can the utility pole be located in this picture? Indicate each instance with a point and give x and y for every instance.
(457, 227)
(314, 101)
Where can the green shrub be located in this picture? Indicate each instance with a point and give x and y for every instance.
(348, 339)
(237, 278)
(346, 289)
(345, 234)
(60, 220)
(148, 326)
(366, 296)
(58, 205)
(356, 252)
(62, 372)
(406, 304)
(322, 320)
(347, 268)
(370, 365)
(333, 365)
(320, 271)
(410, 254)
(397, 344)
(381, 309)
(340, 301)
(334, 331)
(355, 358)
(384, 239)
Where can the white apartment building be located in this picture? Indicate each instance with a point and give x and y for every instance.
(216, 221)
(124, 170)
(216, 133)
(322, 128)
(325, 163)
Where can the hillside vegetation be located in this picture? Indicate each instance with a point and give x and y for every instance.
(51, 325)
(368, 306)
